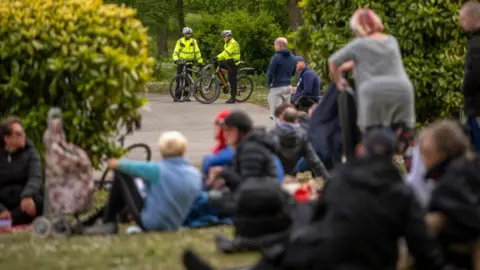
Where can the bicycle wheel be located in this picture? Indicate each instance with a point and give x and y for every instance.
(207, 90)
(244, 88)
(206, 70)
(106, 179)
(184, 85)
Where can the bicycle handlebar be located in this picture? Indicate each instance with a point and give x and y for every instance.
(183, 62)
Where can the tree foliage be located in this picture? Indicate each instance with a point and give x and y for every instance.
(256, 42)
(276, 8)
(431, 41)
(152, 13)
(85, 57)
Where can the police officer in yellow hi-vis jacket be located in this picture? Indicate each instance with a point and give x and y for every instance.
(187, 50)
(230, 59)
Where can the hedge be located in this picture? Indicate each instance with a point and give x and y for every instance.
(85, 57)
(432, 44)
(255, 34)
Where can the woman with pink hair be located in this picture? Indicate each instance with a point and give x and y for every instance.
(385, 97)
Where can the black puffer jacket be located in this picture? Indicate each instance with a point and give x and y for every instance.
(471, 79)
(254, 158)
(457, 195)
(365, 210)
(20, 174)
(294, 144)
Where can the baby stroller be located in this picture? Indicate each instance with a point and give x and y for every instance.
(69, 184)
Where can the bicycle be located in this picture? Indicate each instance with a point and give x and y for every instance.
(103, 183)
(211, 84)
(183, 81)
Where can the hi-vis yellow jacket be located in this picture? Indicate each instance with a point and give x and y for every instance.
(187, 49)
(231, 50)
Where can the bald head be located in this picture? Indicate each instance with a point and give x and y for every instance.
(470, 16)
(289, 115)
(281, 43)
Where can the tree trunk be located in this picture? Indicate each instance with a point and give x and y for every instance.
(162, 42)
(294, 15)
(181, 15)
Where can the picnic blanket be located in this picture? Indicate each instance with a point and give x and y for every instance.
(14, 228)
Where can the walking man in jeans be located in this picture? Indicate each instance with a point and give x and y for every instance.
(279, 75)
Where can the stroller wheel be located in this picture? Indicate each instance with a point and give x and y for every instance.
(61, 226)
(42, 227)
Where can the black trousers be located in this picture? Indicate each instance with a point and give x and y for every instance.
(232, 75)
(178, 91)
(124, 193)
(10, 198)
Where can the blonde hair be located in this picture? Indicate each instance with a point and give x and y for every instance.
(365, 22)
(448, 138)
(172, 144)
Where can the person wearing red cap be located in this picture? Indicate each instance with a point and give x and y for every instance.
(222, 154)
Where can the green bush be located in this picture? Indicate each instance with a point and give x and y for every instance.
(87, 58)
(430, 39)
(255, 34)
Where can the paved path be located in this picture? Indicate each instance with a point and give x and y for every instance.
(193, 119)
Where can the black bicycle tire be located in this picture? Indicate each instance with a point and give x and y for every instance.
(202, 99)
(172, 90)
(251, 89)
(101, 183)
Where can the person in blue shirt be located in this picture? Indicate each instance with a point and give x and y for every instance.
(172, 186)
(308, 85)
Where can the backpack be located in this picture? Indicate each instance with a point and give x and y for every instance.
(261, 207)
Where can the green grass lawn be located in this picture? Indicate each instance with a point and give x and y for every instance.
(139, 251)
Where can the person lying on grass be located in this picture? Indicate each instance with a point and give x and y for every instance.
(172, 186)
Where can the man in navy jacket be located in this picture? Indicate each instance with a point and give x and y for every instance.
(308, 84)
(279, 75)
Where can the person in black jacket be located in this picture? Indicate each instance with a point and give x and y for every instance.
(254, 156)
(365, 210)
(470, 22)
(294, 144)
(21, 197)
(454, 207)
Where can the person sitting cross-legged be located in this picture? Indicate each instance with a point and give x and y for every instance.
(172, 186)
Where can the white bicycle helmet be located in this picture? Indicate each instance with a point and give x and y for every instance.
(187, 30)
(227, 33)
